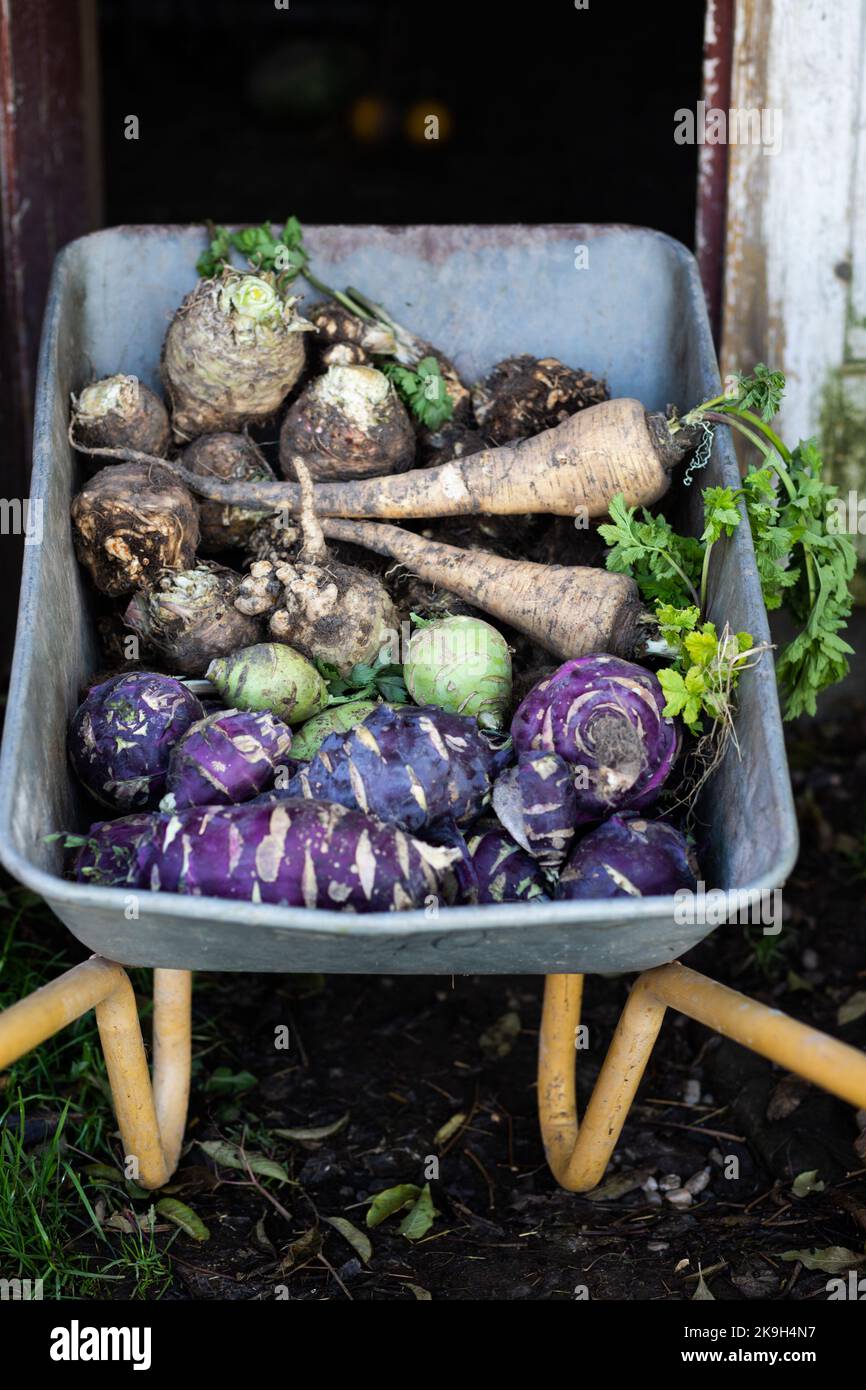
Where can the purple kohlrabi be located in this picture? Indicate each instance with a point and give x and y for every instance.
(228, 757)
(122, 735)
(107, 854)
(296, 853)
(536, 801)
(604, 716)
(411, 766)
(629, 857)
(503, 872)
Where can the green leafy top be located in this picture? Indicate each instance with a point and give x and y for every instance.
(773, 541)
(721, 513)
(761, 392)
(671, 571)
(664, 565)
(211, 261)
(421, 385)
(706, 669)
(804, 560)
(819, 594)
(285, 253)
(382, 678)
(423, 390)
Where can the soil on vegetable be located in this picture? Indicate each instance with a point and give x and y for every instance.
(419, 1076)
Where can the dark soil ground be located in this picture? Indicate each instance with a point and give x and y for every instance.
(402, 1057)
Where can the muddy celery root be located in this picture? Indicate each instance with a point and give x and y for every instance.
(233, 351)
(523, 395)
(342, 338)
(189, 617)
(119, 412)
(348, 423)
(331, 612)
(233, 456)
(132, 521)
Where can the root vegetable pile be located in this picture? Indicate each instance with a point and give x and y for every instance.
(513, 732)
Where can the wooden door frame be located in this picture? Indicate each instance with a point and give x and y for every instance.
(50, 192)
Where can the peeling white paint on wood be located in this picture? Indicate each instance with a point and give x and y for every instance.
(795, 273)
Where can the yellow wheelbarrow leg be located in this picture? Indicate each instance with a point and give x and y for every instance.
(172, 1050)
(834, 1066)
(151, 1119)
(579, 1154)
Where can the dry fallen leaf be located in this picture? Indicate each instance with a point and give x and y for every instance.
(306, 1247)
(702, 1292)
(231, 1156)
(310, 1133)
(183, 1216)
(118, 1222)
(834, 1259)
(786, 1096)
(619, 1185)
(359, 1242)
(756, 1281)
(449, 1128)
(853, 1008)
(804, 1183)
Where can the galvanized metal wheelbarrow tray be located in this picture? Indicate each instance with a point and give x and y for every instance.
(618, 300)
(623, 302)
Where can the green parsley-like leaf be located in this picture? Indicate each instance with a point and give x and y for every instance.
(285, 254)
(761, 392)
(211, 261)
(666, 567)
(818, 591)
(702, 646)
(676, 621)
(706, 670)
(683, 695)
(721, 513)
(423, 390)
(381, 678)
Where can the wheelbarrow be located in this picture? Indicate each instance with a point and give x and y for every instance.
(624, 302)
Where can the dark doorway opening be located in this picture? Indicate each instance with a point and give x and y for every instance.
(247, 111)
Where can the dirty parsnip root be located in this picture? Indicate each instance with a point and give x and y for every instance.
(568, 610)
(575, 469)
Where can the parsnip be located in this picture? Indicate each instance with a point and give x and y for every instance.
(572, 470)
(568, 610)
